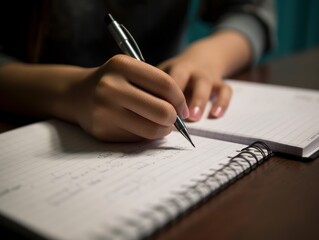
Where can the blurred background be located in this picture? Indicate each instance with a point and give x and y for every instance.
(297, 27)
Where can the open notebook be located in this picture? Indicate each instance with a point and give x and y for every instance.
(285, 118)
(57, 182)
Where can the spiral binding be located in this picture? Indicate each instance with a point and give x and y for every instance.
(195, 194)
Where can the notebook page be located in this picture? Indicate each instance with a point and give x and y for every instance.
(63, 184)
(286, 118)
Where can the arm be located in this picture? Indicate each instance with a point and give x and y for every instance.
(108, 102)
(239, 40)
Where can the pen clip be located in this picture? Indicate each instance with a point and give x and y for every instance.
(132, 40)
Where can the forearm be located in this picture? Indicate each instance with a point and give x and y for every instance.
(122, 100)
(255, 19)
(223, 53)
(39, 90)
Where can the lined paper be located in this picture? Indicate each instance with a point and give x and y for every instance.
(286, 118)
(62, 183)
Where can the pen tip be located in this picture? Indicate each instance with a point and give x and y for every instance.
(192, 143)
(189, 139)
(185, 133)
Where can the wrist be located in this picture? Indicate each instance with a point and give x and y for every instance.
(70, 98)
(205, 53)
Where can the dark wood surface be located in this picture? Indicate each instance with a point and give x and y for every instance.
(280, 198)
(299, 70)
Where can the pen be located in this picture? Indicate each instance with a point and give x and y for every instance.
(127, 44)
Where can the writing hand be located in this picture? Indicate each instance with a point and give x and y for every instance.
(128, 100)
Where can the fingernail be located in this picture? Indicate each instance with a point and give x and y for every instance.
(185, 113)
(195, 113)
(219, 112)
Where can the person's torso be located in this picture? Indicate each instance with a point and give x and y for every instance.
(76, 33)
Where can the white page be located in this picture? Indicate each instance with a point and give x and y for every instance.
(286, 118)
(64, 184)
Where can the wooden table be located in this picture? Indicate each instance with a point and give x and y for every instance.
(280, 198)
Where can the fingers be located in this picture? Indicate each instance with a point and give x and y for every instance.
(142, 127)
(133, 101)
(198, 85)
(201, 87)
(180, 73)
(126, 126)
(123, 94)
(223, 95)
(151, 80)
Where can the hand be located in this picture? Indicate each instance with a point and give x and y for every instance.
(199, 80)
(128, 100)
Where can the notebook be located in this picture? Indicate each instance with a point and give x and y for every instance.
(56, 182)
(285, 118)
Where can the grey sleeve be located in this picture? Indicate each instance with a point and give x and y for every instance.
(255, 19)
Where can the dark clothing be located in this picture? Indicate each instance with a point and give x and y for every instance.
(73, 32)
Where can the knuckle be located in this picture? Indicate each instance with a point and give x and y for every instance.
(179, 73)
(181, 65)
(167, 114)
(180, 68)
(111, 85)
(106, 86)
(206, 78)
(116, 61)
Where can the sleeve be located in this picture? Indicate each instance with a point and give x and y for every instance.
(255, 19)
